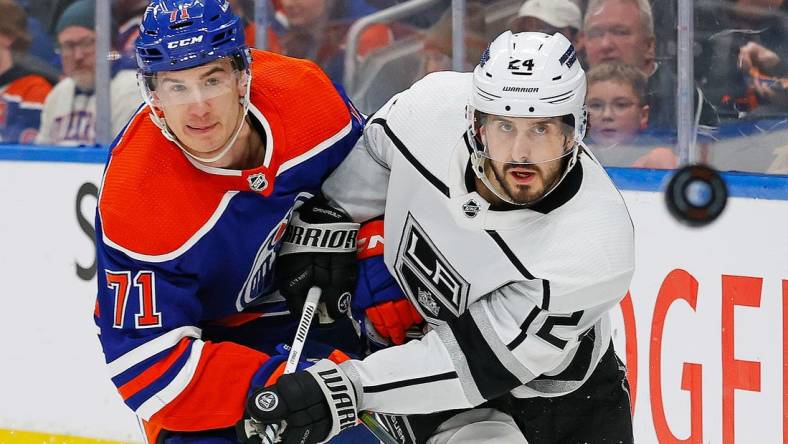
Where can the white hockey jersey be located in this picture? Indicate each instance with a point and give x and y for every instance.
(517, 299)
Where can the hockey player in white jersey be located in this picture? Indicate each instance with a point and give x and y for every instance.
(511, 242)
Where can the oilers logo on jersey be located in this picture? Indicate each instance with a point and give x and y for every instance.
(428, 278)
(260, 276)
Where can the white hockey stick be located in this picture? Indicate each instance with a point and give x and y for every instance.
(272, 432)
(310, 307)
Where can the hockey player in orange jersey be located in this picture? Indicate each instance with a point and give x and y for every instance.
(198, 191)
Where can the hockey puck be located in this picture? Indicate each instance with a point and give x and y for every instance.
(696, 195)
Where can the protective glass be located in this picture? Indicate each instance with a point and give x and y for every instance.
(185, 87)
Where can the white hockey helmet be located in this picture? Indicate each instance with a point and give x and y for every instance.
(528, 74)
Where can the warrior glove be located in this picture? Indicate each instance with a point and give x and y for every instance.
(319, 249)
(251, 431)
(306, 407)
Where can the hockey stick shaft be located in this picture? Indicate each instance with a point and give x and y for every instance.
(373, 425)
(272, 432)
(310, 307)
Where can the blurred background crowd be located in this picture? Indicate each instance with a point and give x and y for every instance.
(376, 48)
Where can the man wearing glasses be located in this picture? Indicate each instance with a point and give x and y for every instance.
(69, 114)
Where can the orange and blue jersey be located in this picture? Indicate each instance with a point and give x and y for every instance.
(186, 308)
(22, 95)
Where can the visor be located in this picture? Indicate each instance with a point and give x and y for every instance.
(172, 88)
(524, 141)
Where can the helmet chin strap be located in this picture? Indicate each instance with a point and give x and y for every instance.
(165, 130)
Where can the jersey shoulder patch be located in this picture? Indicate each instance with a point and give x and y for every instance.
(299, 101)
(153, 200)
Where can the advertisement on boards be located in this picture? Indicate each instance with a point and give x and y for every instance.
(53, 377)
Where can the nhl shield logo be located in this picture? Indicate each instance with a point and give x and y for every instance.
(257, 182)
(266, 401)
(470, 209)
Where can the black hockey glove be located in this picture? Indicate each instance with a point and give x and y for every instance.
(306, 407)
(319, 249)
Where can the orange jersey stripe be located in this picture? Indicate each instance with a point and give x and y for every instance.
(216, 395)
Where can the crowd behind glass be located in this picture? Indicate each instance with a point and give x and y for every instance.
(628, 48)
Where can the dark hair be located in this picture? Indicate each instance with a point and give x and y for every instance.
(13, 23)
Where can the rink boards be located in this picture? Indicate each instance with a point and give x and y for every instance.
(703, 329)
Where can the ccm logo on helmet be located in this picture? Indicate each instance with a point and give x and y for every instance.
(184, 42)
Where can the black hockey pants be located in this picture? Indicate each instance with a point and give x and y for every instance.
(597, 412)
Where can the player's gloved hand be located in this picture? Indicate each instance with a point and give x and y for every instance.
(251, 431)
(378, 299)
(248, 430)
(319, 249)
(306, 407)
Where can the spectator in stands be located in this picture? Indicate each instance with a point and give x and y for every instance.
(437, 54)
(431, 51)
(350, 10)
(40, 55)
(548, 16)
(623, 30)
(753, 56)
(127, 14)
(768, 73)
(317, 30)
(69, 114)
(743, 46)
(618, 112)
(244, 9)
(22, 92)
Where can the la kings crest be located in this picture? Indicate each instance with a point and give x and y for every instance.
(430, 281)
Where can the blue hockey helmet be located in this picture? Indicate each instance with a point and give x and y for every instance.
(182, 34)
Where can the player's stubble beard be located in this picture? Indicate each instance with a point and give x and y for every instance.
(546, 177)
